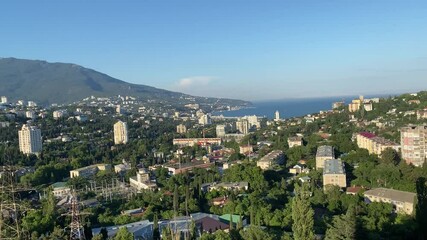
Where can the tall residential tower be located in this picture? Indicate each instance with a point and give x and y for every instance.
(120, 133)
(30, 140)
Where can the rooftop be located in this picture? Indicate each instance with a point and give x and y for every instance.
(392, 194)
(325, 151)
(271, 156)
(367, 134)
(333, 166)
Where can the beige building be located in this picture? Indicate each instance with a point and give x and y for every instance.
(374, 144)
(294, 141)
(242, 125)
(413, 140)
(404, 202)
(324, 153)
(89, 171)
(273, 158)
(334, 173)
(220, 131)
(142, 181)
(181, 129)
(30, 140)
(120, 133)
(205, 119)
(59, 114)
(246, 149)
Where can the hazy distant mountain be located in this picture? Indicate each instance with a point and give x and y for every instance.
(47, 83)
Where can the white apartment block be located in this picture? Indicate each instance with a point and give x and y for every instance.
(30, 140)
(120, 133)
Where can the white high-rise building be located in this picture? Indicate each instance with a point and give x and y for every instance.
(205, 119)
(220, 131)
(120, 133)
(30, 140)
(30, 114)
(277, 116)
(3, 99)
(242, 126)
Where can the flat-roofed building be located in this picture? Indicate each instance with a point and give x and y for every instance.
(273, 158)
(324, 153)
(334, 173)
(190, 142)
(294, 141)
(30, 140)
(142, 180)
(89, 171)
(404, 202)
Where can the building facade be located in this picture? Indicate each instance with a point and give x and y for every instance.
(413, 140)
(120, 133)
(242, 125)
(30, 140)
(181, 129)
(220, 131)
(374, 144)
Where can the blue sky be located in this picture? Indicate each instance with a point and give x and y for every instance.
(251, 49)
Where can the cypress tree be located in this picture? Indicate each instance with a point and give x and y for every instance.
(302, 214)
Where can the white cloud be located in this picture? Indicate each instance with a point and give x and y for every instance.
(196, 81)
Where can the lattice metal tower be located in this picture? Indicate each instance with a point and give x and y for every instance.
(77, 230)
(10, 211)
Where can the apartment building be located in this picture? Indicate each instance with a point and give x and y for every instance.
(30, 140)
(181, 129)
(413, 140)
(120, 133)
(374, 144)
(334, 173)
(273, 158)
(324, 153)
(404, 202)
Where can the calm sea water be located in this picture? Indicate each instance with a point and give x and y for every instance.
(289, 107)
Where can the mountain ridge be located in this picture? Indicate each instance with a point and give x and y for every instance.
(57, 82)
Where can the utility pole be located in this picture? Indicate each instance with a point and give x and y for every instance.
(10, 210)
(77, 231)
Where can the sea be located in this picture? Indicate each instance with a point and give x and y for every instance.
(289, 107)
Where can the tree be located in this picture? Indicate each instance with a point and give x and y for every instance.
(104, 233)
(98, 237)
(123, 234)
(255, 233)
(421, 207)
(302, 214)
(343, 226)
(389, 155)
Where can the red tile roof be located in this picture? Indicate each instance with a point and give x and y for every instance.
(367, 134)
